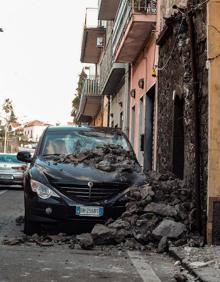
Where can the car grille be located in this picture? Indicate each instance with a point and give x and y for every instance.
(98, 192)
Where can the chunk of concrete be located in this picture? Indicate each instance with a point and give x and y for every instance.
(161, 209)
(85, 241)
(101, 234)
(170, 229)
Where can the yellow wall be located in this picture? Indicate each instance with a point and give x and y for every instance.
(214, 109)
(98, 122)
(105, 111)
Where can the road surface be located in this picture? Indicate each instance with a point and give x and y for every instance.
(60, 263)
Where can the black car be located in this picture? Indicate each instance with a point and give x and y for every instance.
(62, 185)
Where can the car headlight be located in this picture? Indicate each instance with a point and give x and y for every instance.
(42, 190)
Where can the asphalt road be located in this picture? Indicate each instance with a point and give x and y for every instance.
(60, 263)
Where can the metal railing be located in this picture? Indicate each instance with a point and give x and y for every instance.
(144, 6)
(91, 86)
(126, 9)
(106, 63)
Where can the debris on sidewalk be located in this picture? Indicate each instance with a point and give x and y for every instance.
(203, 262)
(19, 220)
(85, 241)
(157, 216)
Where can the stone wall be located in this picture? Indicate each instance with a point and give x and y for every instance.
(176, 79)
(166, 9)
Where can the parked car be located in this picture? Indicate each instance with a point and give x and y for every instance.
(11, 171)
(61, 191)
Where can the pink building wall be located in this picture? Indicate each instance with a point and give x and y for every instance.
(142, 68)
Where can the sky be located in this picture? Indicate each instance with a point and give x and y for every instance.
(40, 56)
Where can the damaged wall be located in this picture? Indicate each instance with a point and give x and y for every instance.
(166, 9)
(175, 92)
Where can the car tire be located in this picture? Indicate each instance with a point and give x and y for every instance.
(31, 227)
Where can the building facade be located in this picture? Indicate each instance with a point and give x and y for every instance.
(114, 79)
(34, 129)
(126, 70)
(182, 104)
(91, 104)
(170, 115)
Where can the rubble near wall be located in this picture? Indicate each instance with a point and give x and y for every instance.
(176, 79)
(158, 215)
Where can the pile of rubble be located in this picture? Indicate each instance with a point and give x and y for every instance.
(107, 158)
(158, 214)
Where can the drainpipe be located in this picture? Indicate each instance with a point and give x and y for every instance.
(127, 100)
(196, 122)
(108, 114)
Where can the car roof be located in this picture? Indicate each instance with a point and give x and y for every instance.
(83, 128)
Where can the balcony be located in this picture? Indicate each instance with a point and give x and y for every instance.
(108, 9)
(110, 73)
(134, 23)
(93, 38)
(90, 102)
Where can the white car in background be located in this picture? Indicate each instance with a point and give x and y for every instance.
(11, 171)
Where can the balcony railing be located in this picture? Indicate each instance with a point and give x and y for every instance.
(90, 101)
(144, 6)
(91, 86)
(126, 10)
(106, 63)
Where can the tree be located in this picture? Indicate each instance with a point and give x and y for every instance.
(12, 117)
(7, 106)
(76, 100)
(8, 109)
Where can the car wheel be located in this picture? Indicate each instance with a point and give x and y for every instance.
(31, 227)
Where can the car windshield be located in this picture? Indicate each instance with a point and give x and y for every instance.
(7, 158)
(78, 142)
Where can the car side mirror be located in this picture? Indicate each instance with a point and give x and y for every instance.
(24, 156)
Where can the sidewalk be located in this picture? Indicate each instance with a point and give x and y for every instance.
(204, 262)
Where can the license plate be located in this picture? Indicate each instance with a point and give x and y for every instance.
(89, 211)
(7, 177)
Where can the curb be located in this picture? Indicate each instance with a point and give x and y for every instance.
(174, 255)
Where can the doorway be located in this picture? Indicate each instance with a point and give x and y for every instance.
(149, 129)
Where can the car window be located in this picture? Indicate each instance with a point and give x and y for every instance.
(80, 141)
(9, 159)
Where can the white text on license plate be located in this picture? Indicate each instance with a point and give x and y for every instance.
(89, 211)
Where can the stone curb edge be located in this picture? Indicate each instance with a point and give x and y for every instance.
(174, 255)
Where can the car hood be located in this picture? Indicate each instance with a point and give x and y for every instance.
(82, 173)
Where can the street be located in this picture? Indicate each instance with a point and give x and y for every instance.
(30, 262)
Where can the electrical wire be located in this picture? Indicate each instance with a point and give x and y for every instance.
(172, 50)
(175, 42)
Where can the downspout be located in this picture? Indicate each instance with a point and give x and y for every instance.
(108, 114)
(196, 122)
(127, 99)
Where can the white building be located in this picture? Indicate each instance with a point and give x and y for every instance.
(34, 129)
